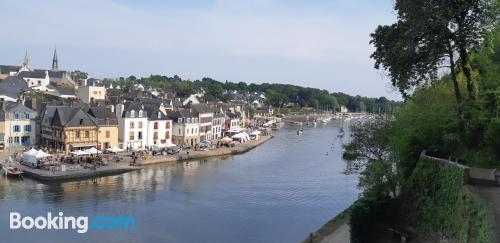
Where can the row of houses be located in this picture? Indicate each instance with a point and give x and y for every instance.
(126, 125)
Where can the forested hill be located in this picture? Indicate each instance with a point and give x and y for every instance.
(277, 94)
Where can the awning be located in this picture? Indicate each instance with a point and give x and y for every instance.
(81, 145)
(115, 150)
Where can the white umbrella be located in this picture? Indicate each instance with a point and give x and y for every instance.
(79, 152)
(115, 150)
(31, 151)
(40, 154)
(92, 151)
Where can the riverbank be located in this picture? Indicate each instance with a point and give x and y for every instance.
(191, 155)
(119, 168)
(336, 230)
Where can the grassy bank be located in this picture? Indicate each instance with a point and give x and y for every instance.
(434, 206)
(438, 204)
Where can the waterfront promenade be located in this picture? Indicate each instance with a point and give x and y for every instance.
(191, 154)
(113, 168)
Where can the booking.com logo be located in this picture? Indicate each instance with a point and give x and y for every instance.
(81, 223)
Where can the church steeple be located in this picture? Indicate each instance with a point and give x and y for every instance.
(26, 60)
(26, 63)
(55, 64)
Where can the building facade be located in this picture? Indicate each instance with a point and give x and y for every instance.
(132, 125)
(205, 116)
(89, 94)
(17, 124)
(159, 127)
(68, 129)
(107, 127)
(185, 130)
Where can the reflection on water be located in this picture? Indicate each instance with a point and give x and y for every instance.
(278, 192)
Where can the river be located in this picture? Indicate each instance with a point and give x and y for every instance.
(278, 192)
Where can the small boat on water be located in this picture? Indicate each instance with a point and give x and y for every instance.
(300, 131)
(11, 168)
(12, 171)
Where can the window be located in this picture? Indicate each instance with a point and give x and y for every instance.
(155, 136)
(167, 125)
(131, 125)
(95, 92)
(39, 83)
(155, 125)
(16, 139)
(131, 136)
(81, 121)
(132, 113)
(159, 115)
(192, 130)
(10, 139)
(16, 115)
(180, 131)
(167, 135)
(87, 134)
(139, 135)
(77, 134)
(27, 128)
(140, 124)
(140, 113)
(27, 115)
(17, 128)
(179, 120)
(108, 134)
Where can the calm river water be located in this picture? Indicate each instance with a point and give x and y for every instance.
(278, 192)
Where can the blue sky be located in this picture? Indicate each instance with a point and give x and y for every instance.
(315, 43)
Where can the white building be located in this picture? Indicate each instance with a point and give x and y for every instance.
(37, 80)
(218, 123)
(190, 100)
(132, 125)
(159, 127)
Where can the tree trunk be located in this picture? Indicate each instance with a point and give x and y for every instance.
(464, 58)
(456, 88)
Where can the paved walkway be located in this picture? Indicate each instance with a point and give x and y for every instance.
(341, 235)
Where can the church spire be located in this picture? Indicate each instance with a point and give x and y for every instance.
(55, 63)
(26, 63)
(26, 60)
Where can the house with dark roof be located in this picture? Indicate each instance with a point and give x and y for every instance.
(218, 121)
(68, 128)
(11, 87)
(159, 126)
(185, 129)
(107, 126)
(205, 115)
(17, 124)
(66, 93)
(8, 70)
(37, 80)
(132, 125)
(61, 78)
